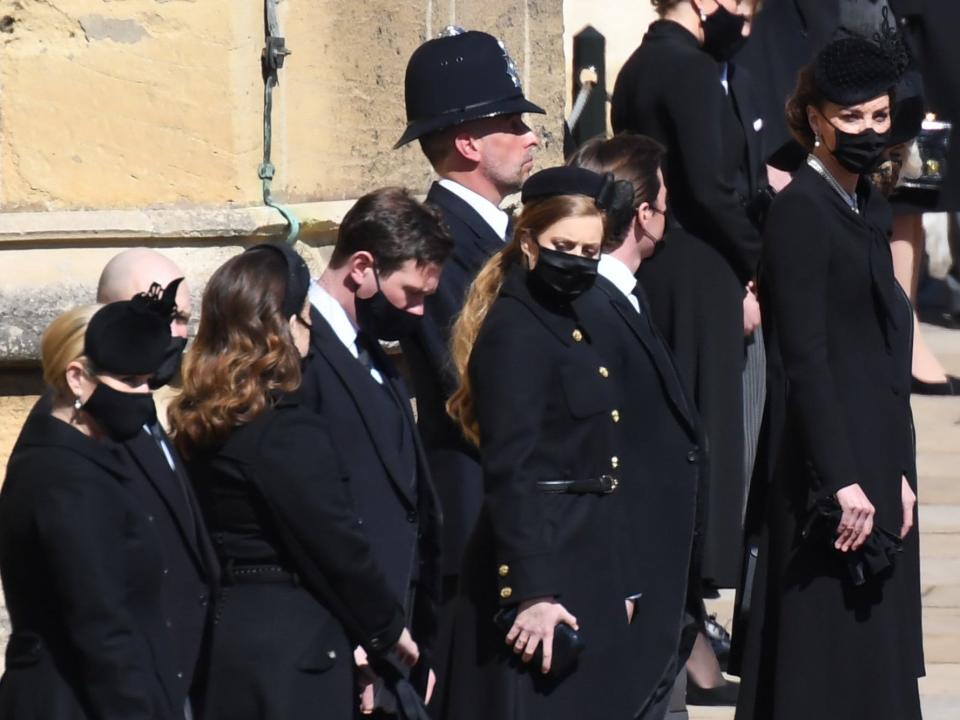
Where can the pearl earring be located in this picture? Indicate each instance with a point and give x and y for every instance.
(77, 404)
(816, 141)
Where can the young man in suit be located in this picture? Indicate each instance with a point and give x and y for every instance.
(660, 430)
(465, 106)
(190, 570)
(386, 262)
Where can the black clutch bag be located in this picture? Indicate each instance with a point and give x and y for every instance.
(567, 645)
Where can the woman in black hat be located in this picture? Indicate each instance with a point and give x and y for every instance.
(833, 622)
(545, 557)
(81, 562)
(300, 585)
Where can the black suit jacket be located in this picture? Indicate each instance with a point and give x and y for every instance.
(82, 565)
(400, 519)
(190, 568)
(662, 454)
(453, 461)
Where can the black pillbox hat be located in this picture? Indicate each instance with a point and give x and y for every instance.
(851, 70)
(131, 337)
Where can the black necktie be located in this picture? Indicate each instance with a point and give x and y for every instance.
(156, 432)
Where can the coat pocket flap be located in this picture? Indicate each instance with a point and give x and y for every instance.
(581, 392)
(319, 654)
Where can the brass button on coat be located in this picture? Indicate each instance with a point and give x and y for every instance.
(506, 592)
(615, 416)
(577, 335)
(503, 570)
(614, 462)
(604, 372)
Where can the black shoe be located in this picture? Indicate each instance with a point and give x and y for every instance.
(721, 695)
(951, 386)
(719, 640)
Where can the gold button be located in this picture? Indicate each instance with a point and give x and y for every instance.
(577, 335)
(506, 592)
(614, 462)
(615, 415)
(604, 372)
(503, 570)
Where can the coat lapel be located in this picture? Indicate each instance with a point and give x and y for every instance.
(359, 385)
(749, 115)
(669, 376)
(148, 456)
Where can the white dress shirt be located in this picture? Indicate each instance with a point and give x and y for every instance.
(619, 274)
(338, 319)
(494, 216)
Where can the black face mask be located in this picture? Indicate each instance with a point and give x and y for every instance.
(564, 276)
(381, 319)
(862, 152)
(723, 33)
(171, 364)
(121, 415)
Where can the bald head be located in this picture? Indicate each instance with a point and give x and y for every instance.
(133, 271)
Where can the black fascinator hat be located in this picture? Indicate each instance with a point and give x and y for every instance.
(131, 337)
(850, 70)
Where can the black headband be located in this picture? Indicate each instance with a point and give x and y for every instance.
(298, 277)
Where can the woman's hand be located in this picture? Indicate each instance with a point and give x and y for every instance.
(751, 310)
(909, 500)
(406, 649)
(365, 680)
(631, 607)
(535, 623)
(856, 524)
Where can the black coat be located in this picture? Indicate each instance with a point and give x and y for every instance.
(662, 456)
(838, 331)
(83, 557)
(931, 30)
(544, 412)
(301, 584)
(454, 463)
(670, 89)
(392, 489)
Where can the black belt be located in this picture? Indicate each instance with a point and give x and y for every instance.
(603, 485)
(234, 574)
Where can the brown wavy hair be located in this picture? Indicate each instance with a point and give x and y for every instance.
(243, 355)
(535, 217)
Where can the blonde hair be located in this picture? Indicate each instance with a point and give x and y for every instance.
(61, 344)
(536, 216)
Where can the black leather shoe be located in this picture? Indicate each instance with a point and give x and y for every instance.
(722, 695)
(950, 387)
(719, 640)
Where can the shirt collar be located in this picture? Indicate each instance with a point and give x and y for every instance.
(335, 315)
(492, 215)
(619, 274)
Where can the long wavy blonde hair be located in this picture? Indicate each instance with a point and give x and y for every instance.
(536, 216)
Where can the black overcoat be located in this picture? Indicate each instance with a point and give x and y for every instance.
(838, 333)
(83, 563)
(545, 414)
(454, 463)
(662, 458)
(399, 512)
(275, 495)
(670, 89)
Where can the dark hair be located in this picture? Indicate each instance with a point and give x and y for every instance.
(436, 146)
(662, 6)
(631, 157)
(394, 227)
(805, 94)
(243, 355)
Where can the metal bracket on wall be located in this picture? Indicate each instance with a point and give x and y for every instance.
(271, 60)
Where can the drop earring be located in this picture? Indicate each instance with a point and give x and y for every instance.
(77, 404)
(816, 141)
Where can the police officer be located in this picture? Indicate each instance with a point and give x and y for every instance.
(465, 106)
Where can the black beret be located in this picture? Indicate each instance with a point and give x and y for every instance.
(851, 70)
(298, 276)
(131, 337)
